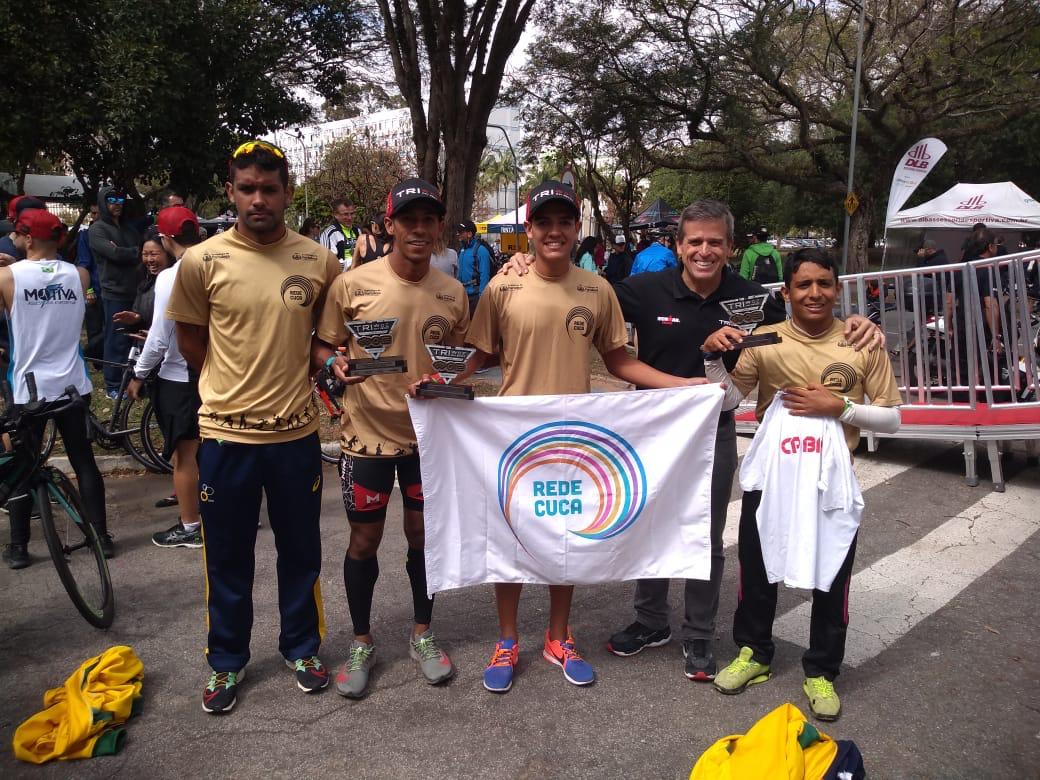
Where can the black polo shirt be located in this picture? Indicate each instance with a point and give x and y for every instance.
(673, 321)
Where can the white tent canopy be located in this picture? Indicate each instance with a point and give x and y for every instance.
(510, 217)
(998, 205)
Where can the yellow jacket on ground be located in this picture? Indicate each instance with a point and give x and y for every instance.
(780, 746)
(83, 718)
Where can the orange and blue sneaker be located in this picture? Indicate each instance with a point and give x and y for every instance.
(498, 676)
(564, 654)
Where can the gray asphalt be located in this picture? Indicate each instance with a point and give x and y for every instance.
(956, 697)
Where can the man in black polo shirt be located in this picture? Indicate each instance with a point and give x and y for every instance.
(674, 311)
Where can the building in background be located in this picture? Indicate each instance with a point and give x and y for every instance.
(305, 146)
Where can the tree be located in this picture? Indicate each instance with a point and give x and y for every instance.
(362, 171)
(496, 171)
(765, 86)
(162, 101)
(448, 60)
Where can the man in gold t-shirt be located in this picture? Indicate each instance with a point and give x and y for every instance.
(542, 327)
(245, 303)
(820, 374)
(413, 305)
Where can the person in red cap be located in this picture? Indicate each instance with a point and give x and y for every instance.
(525, 319)
(9, 251)
(44, 297)
(177, 387)
(401, 296)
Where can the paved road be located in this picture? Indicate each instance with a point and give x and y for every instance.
(942, 678)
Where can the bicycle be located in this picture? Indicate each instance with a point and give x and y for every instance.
(143, 440)
(72, 540)
(328, 389)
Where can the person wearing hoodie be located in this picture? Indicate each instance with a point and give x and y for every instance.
(114, 244)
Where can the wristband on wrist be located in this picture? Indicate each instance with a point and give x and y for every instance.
(90, 291)
(846, 407)
(330, 361)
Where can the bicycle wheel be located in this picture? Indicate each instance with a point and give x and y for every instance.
(328, 431)
(134, 434)
(75, 549)
(50, 435)
(153, 440)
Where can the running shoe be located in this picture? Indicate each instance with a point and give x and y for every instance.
(16, 555)
(498, 676)
(170, 500)
(742, 672)
(637, 638)
(352, 678)
(178, 536)
(221, 691)
(311, 675)
(434, 662)
(564, 654)
(823, 699)
(700, 661)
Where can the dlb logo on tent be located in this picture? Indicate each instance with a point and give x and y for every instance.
(605, 499)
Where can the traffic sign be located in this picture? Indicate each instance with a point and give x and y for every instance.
(851, 203)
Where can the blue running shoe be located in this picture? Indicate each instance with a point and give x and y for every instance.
(498, 676)
(564, 654)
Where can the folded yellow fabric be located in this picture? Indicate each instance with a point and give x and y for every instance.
(780, 746)
(84, 717)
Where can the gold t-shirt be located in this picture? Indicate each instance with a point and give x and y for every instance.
(434, 310)
(828, 360)
(260, 303)
(543, 329)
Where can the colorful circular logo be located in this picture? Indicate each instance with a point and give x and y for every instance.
(605, 460)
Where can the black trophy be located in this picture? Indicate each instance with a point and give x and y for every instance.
(374, 336)
(759, 340)
(448, 363)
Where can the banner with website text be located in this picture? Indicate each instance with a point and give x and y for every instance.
(568, 489)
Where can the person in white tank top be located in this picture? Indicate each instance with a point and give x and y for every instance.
(44, 298)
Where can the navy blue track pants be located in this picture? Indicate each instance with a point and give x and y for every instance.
(232, 478)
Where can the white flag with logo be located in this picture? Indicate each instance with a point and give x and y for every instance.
(915, 165)
(570, 489)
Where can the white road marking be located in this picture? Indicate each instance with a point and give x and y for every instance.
(889, 598)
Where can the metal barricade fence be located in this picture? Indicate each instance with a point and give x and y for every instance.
(963, 339)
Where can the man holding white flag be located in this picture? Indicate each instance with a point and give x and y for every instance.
(542, 325)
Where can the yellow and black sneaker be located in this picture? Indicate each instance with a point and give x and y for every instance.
(743, 671)
(823, 699)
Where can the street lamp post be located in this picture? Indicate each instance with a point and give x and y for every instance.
(852, 140)
(306, 198)
(516, 169)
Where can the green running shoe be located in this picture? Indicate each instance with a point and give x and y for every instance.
(741, 673)
(823, 699)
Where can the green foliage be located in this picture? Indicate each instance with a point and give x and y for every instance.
(158, 91)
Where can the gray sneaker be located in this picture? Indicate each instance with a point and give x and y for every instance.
(352, 678)
(434, 662)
